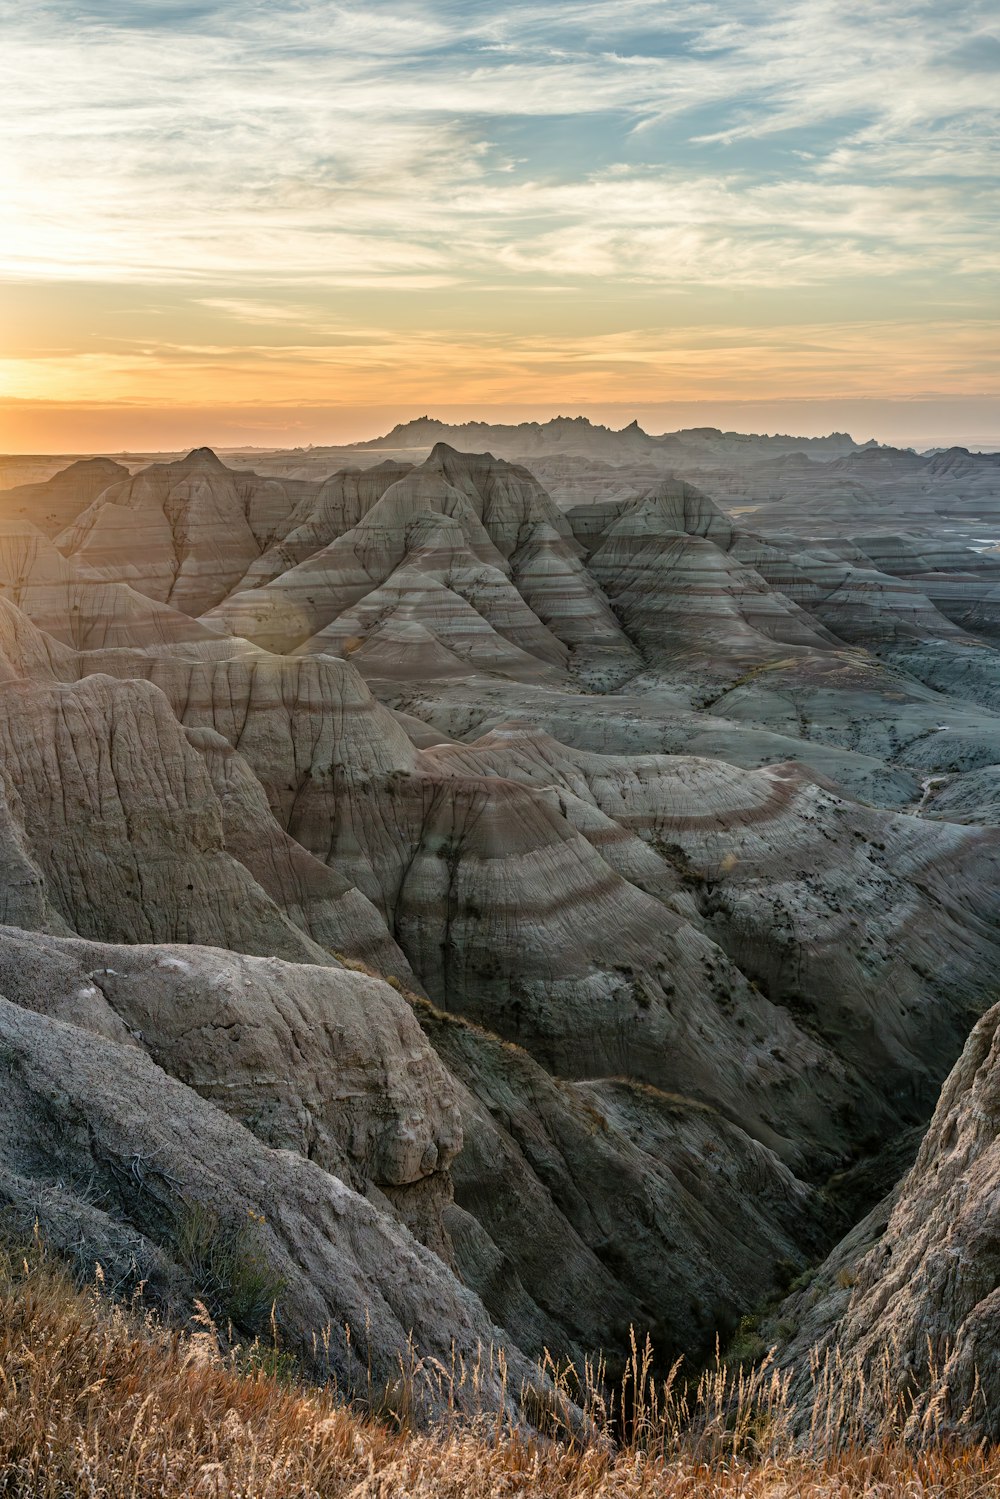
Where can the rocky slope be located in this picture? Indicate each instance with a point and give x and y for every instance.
(676, 840)
(54, 503)
(909, 1303)
(118, 1162)
(183, 533)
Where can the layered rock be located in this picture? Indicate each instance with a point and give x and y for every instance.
(314, 896)
(657, 1212)
(685, 599)
(651, 717)
(79, 607)
(468, 548)
(813, 691)
(777, 869)
(53, 504)
(114, 1161)
(324, 1062)
(434, 851)
(434, 588)
(850, 701)
(318, 519)
(117, 810)
(182, 533)
(587, 782)
(918, 1310)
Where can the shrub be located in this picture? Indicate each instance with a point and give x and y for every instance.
(227, 1264)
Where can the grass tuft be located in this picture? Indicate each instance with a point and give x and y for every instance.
(228, 1265)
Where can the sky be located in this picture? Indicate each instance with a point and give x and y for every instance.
(292, 221)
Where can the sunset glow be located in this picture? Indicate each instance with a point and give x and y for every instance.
(254, 208)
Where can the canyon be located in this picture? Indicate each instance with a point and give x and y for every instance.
(541, 878)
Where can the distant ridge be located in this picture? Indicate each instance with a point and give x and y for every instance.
(579, 437)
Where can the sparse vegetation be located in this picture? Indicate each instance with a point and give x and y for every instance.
(98, 1399)
(228, 1265)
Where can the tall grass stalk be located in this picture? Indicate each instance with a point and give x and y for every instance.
(100, 1399)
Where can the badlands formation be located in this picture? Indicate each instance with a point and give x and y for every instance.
(542, 890)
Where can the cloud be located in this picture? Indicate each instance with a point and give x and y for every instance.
(360, 363)
(705, 149)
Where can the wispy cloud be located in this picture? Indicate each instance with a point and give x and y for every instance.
(329, 140)
(367, 362)
(272, 155)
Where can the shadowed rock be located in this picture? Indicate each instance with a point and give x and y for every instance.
(104, 1150)
(918, 1284)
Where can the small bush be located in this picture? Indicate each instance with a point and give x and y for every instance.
(227, 1265)
(747, 1345)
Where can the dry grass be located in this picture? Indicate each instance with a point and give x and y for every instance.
(100, 1400)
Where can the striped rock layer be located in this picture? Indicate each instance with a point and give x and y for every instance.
(541, 906)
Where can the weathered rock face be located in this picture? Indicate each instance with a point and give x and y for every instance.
(23, 894)
(851, 702)
(54, 503)
(595, 791)
(682, 596)
(111, 1156)
(667, 508)
(499, 894)
(649, 717)
(79, 607)
(318, 519)
(656, 1210)
(332, 1065)
(755, 628)
(312, 895)
(437, 842)
(117, 809)
(433, 589)
(182, 533)
(470, 549)
(724, 646)
(928, 1289)
(972, 798)
(324, 1062)
(27, 651)
(777, 870)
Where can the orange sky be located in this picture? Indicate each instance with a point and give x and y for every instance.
(809, 378)
(301, 222)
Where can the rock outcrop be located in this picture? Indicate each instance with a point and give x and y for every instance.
(911, 1301)
(53, 504)
(657, 1211)
(118, 1162)
(675, 839)
(116, 810)
(78, 606)
(182, 533)
(324, 1062)
(470, 549)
